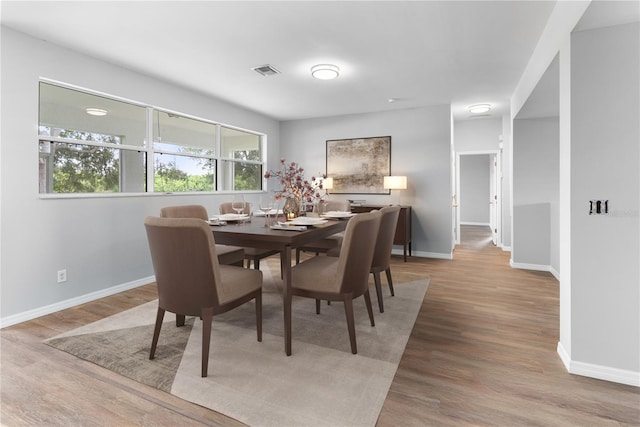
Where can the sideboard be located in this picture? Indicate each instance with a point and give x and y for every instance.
(403, 229)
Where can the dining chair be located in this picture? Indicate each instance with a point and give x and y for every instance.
(228, 255)
(190, 280)
(345, 277)
(382, 255)
(250, 254)
(331, 242)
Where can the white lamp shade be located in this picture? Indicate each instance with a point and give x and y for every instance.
(395, 182)
(327, 183)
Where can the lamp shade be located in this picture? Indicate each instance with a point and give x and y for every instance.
(395, 182)
(327, 183)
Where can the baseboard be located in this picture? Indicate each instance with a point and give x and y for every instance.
(421, 254)
(536, 267)
(481, 224)
(63, 305)
(598, 372)
(506, 248)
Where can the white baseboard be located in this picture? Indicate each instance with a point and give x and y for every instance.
(62, 305)
(421, 254)
(598, 372)
(506, 248)
(535, 267)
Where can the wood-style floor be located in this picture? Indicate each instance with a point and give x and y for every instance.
(482, 353)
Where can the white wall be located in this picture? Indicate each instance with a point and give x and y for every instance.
(100, 241)
(420, 149)
(605, 153)
(475, 189)
(477, 135)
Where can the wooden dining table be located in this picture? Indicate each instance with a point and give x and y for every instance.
(255, 234)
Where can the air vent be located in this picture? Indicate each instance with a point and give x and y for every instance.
(266, 70)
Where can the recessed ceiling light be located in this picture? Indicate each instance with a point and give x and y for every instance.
(96, 111)
(479, 108)
(325, 71)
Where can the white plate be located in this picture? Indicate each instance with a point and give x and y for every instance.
(272, 212)
(338, 214)
(233, 217)
(305, 220)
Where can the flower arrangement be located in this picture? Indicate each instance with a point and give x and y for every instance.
(295, 185)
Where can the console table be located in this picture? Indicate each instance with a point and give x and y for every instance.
(403, 229)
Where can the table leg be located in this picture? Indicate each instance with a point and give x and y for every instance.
(286, 295)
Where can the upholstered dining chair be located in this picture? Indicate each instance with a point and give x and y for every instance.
(190, 280)
(345, 277)
(228, 255)
(382, 255)
(250, 254)
(331, 242)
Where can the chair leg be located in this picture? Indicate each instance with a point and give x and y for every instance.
(376, 279)
(180, 320)
(297, 256)
(256, 263)
(367, 301)
(259, 315)
(388, 271)
(317, 306)
(156, 332)
(348, 311)
(207, 317)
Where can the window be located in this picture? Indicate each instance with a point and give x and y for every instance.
(80, 152)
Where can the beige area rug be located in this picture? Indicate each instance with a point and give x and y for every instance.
(320, 384)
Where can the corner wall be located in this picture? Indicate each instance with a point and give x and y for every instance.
(605, 153)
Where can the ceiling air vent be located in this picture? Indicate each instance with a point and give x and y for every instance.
(266, 70)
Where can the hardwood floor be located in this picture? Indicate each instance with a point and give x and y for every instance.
(482, 352)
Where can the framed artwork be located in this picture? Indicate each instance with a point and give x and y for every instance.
(358, 165)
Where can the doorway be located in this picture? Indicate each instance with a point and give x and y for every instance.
(483, 202)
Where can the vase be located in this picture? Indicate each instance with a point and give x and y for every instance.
(291, 208)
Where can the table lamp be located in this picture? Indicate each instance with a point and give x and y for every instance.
(395, 183)
(327, 184)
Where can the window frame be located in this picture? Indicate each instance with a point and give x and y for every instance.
(150, 152)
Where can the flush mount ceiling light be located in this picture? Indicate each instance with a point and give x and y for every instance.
(479, 108)
(325, 71)
(96, 111)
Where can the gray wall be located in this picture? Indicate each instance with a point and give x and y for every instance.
(100, 240)
(475, 189)
(605, 153)
(420, 149)
(535, 191)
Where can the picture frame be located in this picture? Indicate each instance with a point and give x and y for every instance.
(359, 165)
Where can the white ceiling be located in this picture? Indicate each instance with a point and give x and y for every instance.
(419, 52)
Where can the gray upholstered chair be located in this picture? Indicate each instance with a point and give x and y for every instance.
(190, 280)
(228, 255)
(345, 277)
(331, 242)
(250, 254)
(382, 255)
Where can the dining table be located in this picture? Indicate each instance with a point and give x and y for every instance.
(254, 233)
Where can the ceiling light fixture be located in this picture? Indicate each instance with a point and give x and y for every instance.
(96, 111)
(479, 108)
(325, 71)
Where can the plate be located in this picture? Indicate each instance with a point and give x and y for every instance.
(338, 214)
(305, 220)
(233, 217)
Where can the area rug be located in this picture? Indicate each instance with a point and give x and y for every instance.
(320, 384)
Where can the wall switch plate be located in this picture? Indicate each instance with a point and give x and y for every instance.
(598, 207)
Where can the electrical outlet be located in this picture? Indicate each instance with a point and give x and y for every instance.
(62, 276)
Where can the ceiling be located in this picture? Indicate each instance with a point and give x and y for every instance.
(418, 53)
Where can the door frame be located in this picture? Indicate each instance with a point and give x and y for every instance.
(497, 232)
